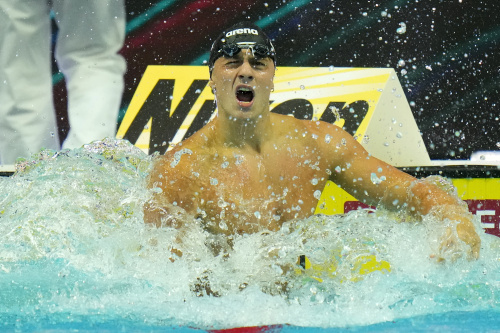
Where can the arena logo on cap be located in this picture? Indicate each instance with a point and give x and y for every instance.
(243, 31)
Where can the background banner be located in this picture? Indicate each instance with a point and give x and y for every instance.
(172, 102)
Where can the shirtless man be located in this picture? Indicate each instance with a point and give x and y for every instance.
(250, 170)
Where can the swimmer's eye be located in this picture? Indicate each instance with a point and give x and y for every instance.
(256, 63)
(232, 61)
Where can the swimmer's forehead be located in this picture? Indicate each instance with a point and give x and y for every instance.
(243, 35)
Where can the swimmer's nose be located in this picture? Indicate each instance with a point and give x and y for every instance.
(246, 72)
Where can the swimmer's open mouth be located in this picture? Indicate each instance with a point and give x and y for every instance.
(244, 94)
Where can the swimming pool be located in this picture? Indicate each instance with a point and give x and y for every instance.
(75, 255)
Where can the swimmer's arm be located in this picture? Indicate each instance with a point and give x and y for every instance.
(375, 182)
(363, 176)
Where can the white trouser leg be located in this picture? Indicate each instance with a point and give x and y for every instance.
(27, 116)
(91, 33)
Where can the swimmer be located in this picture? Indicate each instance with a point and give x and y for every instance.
(250, 170)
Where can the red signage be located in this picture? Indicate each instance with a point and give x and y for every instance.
(489, 211)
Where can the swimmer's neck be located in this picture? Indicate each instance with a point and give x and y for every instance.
(243, 133)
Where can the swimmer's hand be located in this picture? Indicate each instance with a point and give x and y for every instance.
(451, 247)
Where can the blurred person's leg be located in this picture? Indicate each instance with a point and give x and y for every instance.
(91, 33)
(27, 116)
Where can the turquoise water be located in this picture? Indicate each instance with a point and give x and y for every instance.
(478, 321)
(75, 254)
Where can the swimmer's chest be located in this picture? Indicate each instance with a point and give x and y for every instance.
(275, 185)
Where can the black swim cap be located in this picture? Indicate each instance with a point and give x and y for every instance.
(242, 35)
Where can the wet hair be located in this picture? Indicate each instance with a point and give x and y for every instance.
(242, 35)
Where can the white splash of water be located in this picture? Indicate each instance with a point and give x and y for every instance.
(73, 245)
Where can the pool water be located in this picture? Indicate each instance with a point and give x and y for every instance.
(75, 254)
(478, 321)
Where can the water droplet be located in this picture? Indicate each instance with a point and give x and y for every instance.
(214, 181)
(257, 214)
(314, 181)
(328, 138)
(178, 155)
(224, 165)
(317, 194)
(335, 112)
(402, 28)
(221, 203)
(302, 87)
(399, 135)
(376, 180)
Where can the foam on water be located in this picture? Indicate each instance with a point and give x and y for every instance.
(74, 245)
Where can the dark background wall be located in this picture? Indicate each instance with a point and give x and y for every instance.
(447, 59)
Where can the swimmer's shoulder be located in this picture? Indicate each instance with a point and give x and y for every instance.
(191, 151)
(327, 134)
(176, 166)
(324, 138)
(288, 124)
